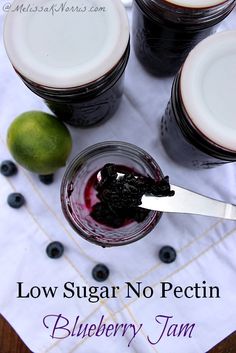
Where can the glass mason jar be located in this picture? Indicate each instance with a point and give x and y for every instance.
(78, 182)
(73, 57)
(164, 31)
(198, 128)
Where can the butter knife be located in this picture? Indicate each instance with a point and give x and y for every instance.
(186, 201)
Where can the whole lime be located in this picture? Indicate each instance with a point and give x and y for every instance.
(39, 142)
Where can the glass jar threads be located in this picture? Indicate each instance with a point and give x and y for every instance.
(164, 31)
(71, 54)
(199, 126)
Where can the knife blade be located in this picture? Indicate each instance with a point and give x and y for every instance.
(189, 202)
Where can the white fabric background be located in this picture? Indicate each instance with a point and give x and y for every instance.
(206, 247)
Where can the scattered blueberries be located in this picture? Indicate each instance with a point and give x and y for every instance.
(15, 200)
(100, 273)
(46, 179)
(8, 168)
(120, 197)
(167, 254)
(55, 250)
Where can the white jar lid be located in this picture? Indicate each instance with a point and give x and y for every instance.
(208, 88)
(63, 47)
(196, 3)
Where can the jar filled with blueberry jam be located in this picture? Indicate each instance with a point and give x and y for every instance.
(198, 128)
(164, 31)
(99, 191)
(74, 57)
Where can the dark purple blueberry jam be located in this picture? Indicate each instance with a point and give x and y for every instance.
(184, 142)
(119, 191)
(164, 33)
(89, 104)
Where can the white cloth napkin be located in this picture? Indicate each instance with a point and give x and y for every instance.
(206, 247)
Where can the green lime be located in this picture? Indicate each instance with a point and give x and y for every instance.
(39, 142)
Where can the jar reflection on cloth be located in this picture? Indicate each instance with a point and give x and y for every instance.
(164, 33)
(187, 139)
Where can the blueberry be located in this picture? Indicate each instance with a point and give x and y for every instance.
(15, 200)
(8, 168)
(138, 214)
(100, 272)
(167, 254)
(46, 179)
(55, 250)
(120, 196)
(105, 215)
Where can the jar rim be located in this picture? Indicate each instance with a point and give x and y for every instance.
(207, 86)
(183, 17)
(86, 91)
(190, 131)
(196, 4)
(67, 48)
(79, 161)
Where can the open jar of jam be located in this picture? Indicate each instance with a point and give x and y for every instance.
(164, 31)
(71, 54)
(80, 202)
(199, 126)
